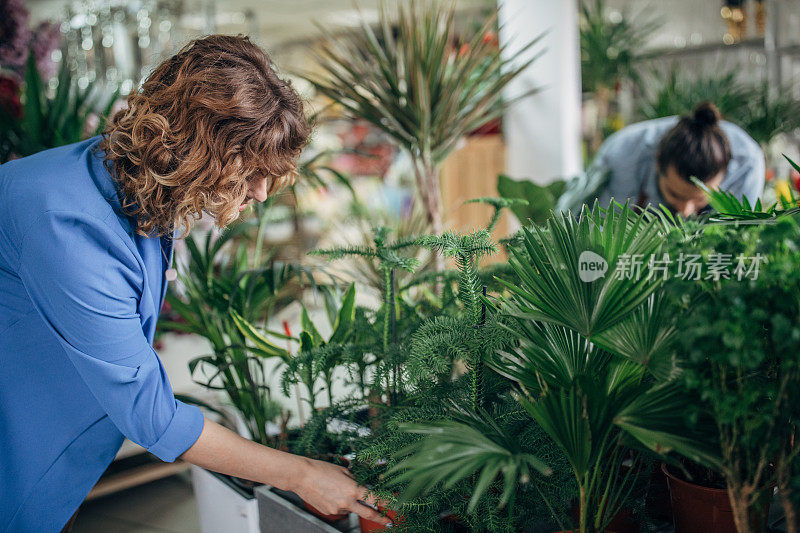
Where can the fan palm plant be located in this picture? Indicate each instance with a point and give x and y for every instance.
(406, 79)
(49, 121)
(593, 367)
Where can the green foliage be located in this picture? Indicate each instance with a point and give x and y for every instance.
(595, 359)
(609, 49)
(732, 210)
(386, 254)
(769, 112)
(404, 80)
(679, 92)
(316, 172)
(762, 111)
(318, 357)
(376, 342)
(467, 444)
(498, 204)
(222, 293)
(539, 200)
(451, 402)
(739, 338)
(548, 266)
(50, 121)
(591, 363)
(317, 440)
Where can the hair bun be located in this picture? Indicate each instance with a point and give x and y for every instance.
(706, 115)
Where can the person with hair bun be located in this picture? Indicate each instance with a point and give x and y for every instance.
(652, 162)
(86, 236)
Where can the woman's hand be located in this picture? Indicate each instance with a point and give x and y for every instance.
(332, 489)
(329, 488)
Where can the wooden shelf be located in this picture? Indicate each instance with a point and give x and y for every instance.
(134, 476)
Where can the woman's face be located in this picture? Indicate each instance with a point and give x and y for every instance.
(683, 196)
(256, 190)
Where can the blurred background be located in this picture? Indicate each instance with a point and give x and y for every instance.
(600, 65)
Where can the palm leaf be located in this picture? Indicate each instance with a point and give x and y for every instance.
(551, 288)
(468, 445)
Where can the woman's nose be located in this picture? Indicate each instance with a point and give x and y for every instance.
(258, 189)
(688, 209)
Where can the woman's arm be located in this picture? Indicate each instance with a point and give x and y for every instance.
(328, 487)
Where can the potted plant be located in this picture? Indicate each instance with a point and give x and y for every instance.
(46, 121)
(594, 368)
(740, 325)
(316, 361)
(445, 379)
(217, 281)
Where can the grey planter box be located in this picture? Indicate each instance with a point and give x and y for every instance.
(283, 514)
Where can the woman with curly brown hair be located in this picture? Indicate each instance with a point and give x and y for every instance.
(85, 240)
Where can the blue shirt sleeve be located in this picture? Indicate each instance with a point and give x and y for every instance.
(86, 284)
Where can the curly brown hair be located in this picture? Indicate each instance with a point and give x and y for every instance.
(205, 121)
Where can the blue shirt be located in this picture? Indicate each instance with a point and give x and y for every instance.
(629, 157)
(80, 293)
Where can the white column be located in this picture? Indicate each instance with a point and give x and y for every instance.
(543, 131)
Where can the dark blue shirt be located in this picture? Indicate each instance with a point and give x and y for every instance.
(80, 293)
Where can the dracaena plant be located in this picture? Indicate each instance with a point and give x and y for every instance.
(593, 367)
(406, 78)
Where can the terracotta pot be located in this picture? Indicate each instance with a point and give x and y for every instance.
(368, 526)
(698, 509)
